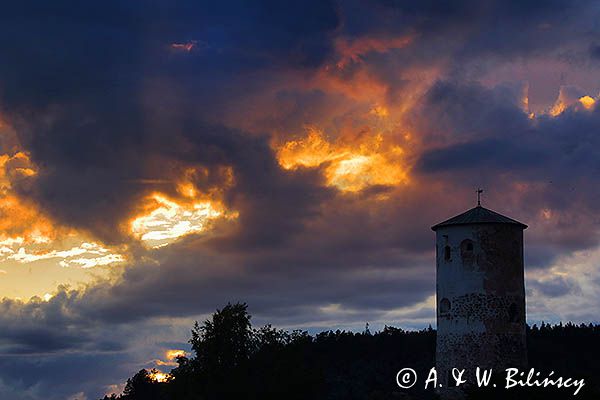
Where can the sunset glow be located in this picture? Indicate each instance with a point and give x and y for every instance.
(558, 108)
(380, 111)
(28, 235)
(20, 218)
(168, 220)
(83, 254)
(170, 358)
(173, 354)
(350, 167)
(159, 376)
(565, 101)
(587, 101)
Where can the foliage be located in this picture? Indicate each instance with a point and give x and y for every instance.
(234, 361)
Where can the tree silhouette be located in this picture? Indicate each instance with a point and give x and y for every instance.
(142, 386)
(223, 342)
(232, 360)
(222, 345)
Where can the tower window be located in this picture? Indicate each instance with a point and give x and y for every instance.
(447, 253)
(466, 246)
(445, 306)
(466, 250)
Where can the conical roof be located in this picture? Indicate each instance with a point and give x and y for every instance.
(478, 215)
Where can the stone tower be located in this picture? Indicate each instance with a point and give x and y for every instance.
(480, 294)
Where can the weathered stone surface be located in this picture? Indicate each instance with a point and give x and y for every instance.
(480, 298)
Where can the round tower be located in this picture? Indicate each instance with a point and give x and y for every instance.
(480, 294)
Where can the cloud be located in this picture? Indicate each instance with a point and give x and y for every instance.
(480, 137)
(556, 287)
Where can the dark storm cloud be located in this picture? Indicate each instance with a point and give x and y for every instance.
(468, 38)
(472, 127)
(48, 349)
(74, 90)
(68, 49)
(556, 287)
(488, 18)
(91, 173)
(41, 327)
(288, 282)
(482, 137)
(21, 375)
(489, 153)
(99, 100)
(470, 112)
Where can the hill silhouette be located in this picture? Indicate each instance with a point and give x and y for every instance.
(232, 360)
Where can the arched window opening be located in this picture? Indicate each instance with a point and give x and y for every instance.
(445, 306)
(466, 246)
(447, 253)
(466, 251)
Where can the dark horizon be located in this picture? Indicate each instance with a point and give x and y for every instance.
(269, 363)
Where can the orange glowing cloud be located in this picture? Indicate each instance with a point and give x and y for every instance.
(162, 219)
(348, 165)
(558, 108)
(587, 102)
(367, 87)
(361, 86)
(360, 83)
(171, 358)
(158, 376)
(561, 105)
(380, 111)
(571, 97)
(170, 220)
(167, 220)
(173, 354)
(19, 217)
(27, 235)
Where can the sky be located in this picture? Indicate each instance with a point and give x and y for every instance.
(160, 159)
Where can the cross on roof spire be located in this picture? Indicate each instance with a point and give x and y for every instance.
(479, 191)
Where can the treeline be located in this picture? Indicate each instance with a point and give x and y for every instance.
(231, 360)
